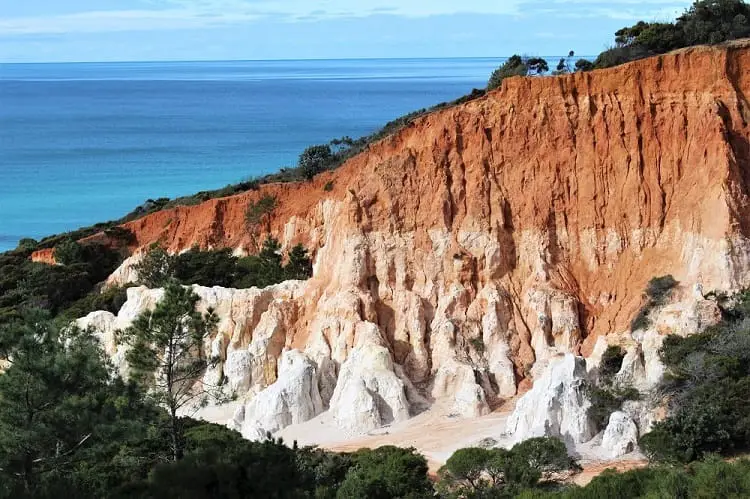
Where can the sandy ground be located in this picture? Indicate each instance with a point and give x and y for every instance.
(438, 436)
(432, 433)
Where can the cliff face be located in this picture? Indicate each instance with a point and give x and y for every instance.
(485, 239)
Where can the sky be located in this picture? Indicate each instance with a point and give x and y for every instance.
(162, 30)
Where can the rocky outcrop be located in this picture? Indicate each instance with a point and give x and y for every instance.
(486, 241)
(293, 398)
(621, 435)
(557, 405)
(368, 393)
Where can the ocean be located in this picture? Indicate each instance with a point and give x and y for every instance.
(85, 143)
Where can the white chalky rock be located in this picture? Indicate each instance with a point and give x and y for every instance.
(368, 393)
(456, 382)
(621, 435)
(292, 399)
(556, 406)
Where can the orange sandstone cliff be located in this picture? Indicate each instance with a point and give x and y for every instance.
(529, 220)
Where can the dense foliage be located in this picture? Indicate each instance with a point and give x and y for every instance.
(222, 268)
(713, 478)
(607, 395)
(477, 472)
(25, 284)
(69, 423)
(705, 22)
(514, 66)
(708, 390)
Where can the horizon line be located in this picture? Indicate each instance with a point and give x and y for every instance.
(173, 61)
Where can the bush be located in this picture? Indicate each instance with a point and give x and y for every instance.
(657, 292)
(27, 244)
(584, 65)
(705, 22)
(715, 21)
(260, 210)
(659, 288)
(708, 479)
(221, 268)
(109, 300)
(606, 400)
(611, 363)
(206, 268)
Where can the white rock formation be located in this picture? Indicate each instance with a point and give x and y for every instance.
(292, 399)
(456, 382)
(368, 393)
(372, 365)
(556, 406)
(620, 436)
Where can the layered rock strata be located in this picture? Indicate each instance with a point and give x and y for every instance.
(457, 260)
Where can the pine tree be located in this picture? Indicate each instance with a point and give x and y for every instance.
(299, 266)
(156, 268)
(166, 355)
(53, 394)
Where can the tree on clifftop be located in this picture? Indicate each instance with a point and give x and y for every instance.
(514, 66)
(314, 160)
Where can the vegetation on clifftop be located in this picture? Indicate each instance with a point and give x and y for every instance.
(222, 268)
(706, 22)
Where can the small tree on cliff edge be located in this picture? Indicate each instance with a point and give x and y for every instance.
(514, 66)
(166, 355)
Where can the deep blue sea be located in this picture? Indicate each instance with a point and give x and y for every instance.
(84, 143)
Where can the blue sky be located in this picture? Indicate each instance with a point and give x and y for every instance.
(136, 30)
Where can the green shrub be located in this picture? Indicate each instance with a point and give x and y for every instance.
(385, 473)
(611, 363)
(260, 210)
(299, 265)
(206, 268)
(110, 300)
(657, 292)
(584, 65)
(27, 244)
(705, 22)
(606, 400)
(221, 268)
(659, 288)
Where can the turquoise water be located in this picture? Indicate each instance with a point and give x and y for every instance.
(84, 143)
